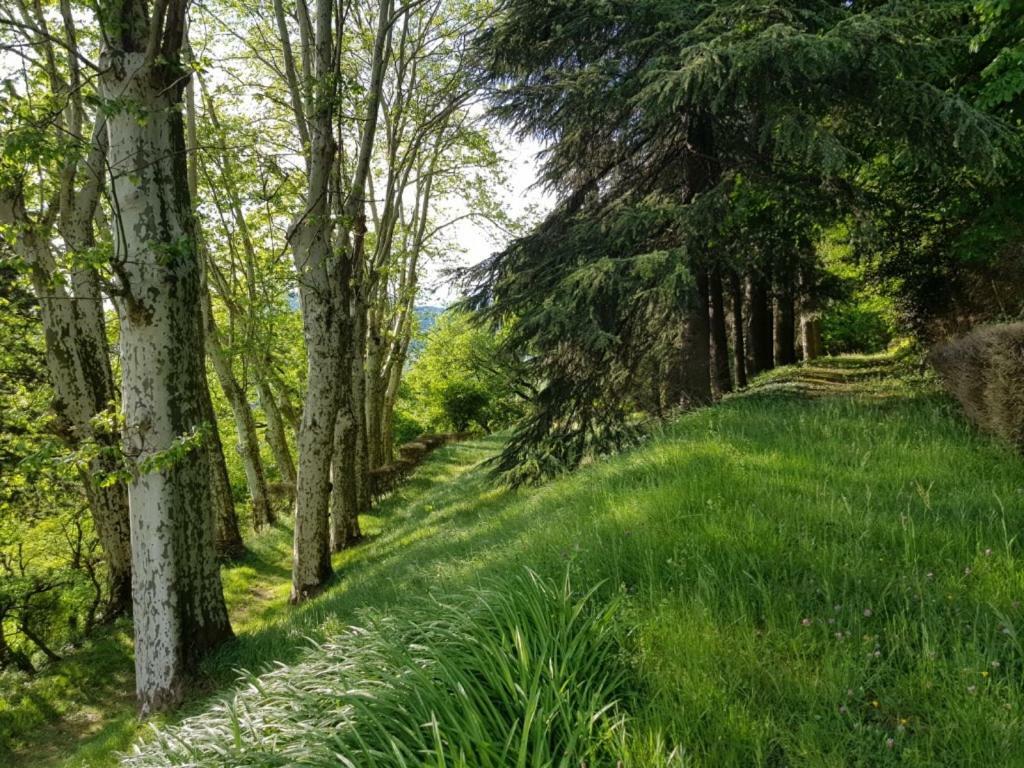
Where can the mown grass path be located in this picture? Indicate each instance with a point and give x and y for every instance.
(823, 571)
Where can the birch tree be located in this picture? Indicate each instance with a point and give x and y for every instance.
(326, 238)
(245, 424)
(66, 284)
(180, 613)
(431, 151)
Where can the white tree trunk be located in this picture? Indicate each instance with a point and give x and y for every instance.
(345, 530)
(179, 605)
(79, 369)
(248, 445)
(277, 438)
(311, 566)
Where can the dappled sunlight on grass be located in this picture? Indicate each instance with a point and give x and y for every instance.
(804, 578)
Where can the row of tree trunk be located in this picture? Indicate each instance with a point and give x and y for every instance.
(170, 515)
(736, 327)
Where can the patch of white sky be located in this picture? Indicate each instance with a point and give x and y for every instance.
(467, 241)
(471, 240)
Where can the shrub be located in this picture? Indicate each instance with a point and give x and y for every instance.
(462, 377)
(525, 673)
(465, 403)
(855, 326)
(984, 370)
(404, 427)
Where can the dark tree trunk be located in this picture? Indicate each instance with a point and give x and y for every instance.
(10, 657)
(760, 333)
(345, 530)
(37, 641)
(695, 362)
(785, 327)
(738, 342)
(719, 334)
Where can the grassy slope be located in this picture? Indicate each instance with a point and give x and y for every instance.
(808, 576)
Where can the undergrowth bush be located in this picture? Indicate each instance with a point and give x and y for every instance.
(523, 673)
(984, 370)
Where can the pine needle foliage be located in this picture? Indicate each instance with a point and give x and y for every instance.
(652, 110)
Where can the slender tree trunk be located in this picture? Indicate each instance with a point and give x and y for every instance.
(719, 334)
(179, 613)
(78, 362)
(289, 412)
(277, 438)
(738, 345)
(229, 538)
(373, 397)
(345, 529)
(362, 458)
(376, 442)
(229, 543)
(387, 431)
(760, 333)
(248, 446)
(37, 641)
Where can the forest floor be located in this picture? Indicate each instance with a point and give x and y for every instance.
(824, 570)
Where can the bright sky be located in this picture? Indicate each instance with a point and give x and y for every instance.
(478, 240)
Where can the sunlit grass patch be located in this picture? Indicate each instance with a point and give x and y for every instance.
(825, 581)
(524, 672)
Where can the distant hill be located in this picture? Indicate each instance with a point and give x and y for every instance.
(428, 316)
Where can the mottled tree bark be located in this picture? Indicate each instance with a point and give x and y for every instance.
(345, 529)
(321, 250)
(719, 334)
(322, 326)
(179, 607)
(77, 354)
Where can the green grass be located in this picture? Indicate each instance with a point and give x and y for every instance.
(523, 673)
(825, 571)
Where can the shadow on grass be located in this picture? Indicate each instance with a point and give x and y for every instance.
(747, 513)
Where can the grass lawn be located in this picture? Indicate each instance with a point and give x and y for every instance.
(824, 571)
